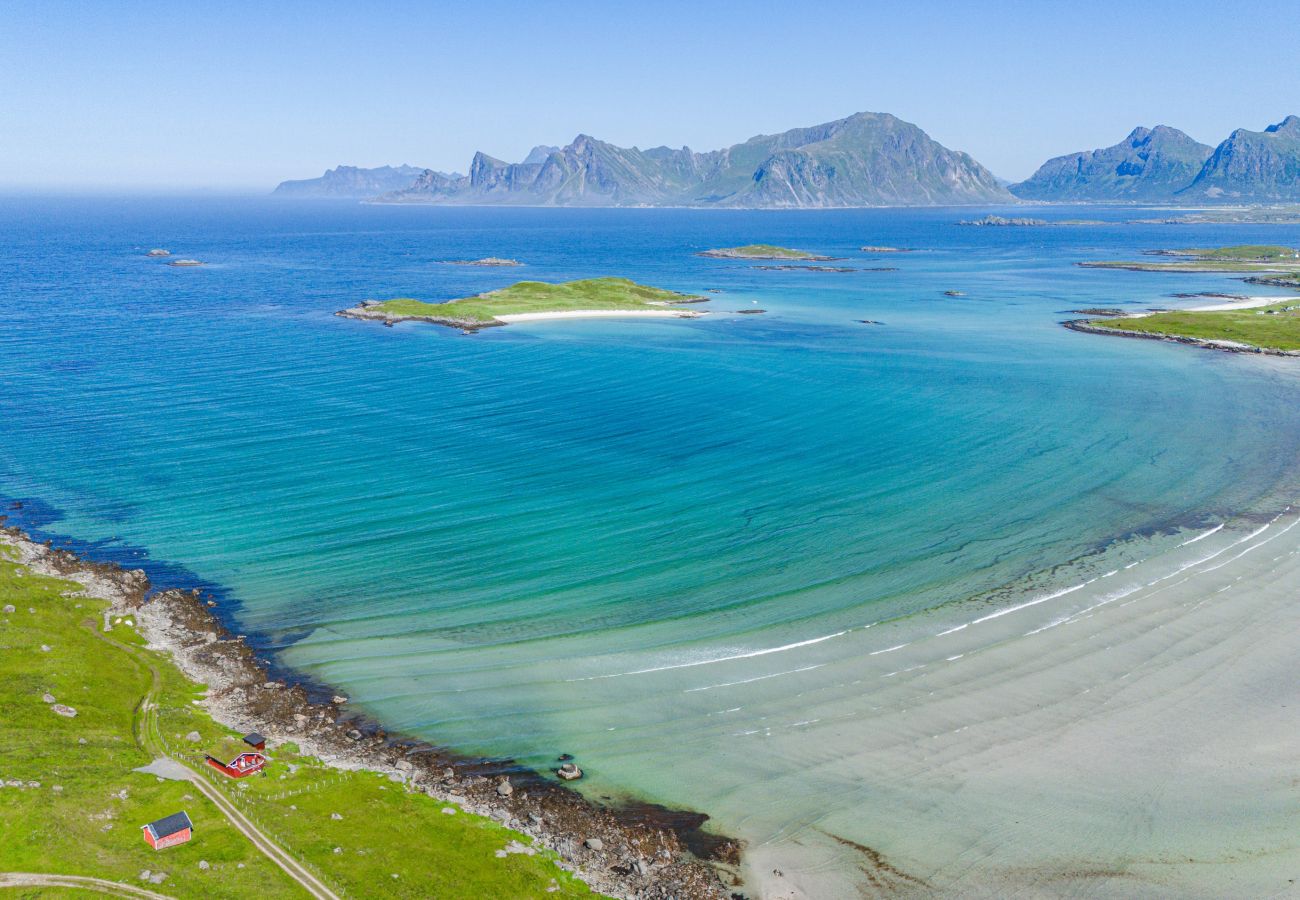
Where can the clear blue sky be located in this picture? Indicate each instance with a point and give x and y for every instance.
(126, 95)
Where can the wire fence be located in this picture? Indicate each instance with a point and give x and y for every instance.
(249, 802)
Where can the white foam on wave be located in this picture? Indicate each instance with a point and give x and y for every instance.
(1201, 537)
(1110, 598)
(1028, 603)
(887, 649)
(1120, 595)
(1254, 547)
(709, 687)
(717, 659)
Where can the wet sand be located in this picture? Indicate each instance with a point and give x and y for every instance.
(1134, 737)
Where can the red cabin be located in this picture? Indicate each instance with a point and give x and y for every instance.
(255, 740)
(242, 765)
(169, 831)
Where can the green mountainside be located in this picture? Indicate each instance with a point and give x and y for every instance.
(1255, 166)
(1149, 164)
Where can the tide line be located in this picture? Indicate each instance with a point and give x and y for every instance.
(718, 659)
(709, 687)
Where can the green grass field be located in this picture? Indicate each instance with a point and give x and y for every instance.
(1252, 252)
(1274, 327)
(762, 251)
(538, 297)
(84, 818)
(1240, 258)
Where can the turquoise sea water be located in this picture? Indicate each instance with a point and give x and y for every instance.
(633, 541)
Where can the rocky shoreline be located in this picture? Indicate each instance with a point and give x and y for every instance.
(366, 312)
(1226, 346)
(792, 255)
(488, 261)
(635, 851)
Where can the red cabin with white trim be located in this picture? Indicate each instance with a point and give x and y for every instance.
(241, 766)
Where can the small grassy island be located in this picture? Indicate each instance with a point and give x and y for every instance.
(1269, 329)
(764, 251)
(532, 300)
(1242, 258)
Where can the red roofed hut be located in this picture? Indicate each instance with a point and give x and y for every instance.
(236, 759)
(168, 831)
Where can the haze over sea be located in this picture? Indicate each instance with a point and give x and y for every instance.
(694, 553)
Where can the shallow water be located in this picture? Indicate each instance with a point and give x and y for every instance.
(645, 543)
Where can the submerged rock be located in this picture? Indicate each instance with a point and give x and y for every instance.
(485, 261)
(1003, 222)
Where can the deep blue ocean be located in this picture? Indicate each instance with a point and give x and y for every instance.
(482, 539)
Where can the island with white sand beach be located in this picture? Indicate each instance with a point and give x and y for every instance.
(1238, 324)
(536, 301)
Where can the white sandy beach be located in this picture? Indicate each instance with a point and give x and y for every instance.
(1244, 303)
(1137, 736)
(1247, 303)
(603, 314)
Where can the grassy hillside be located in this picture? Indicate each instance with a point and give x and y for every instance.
(761, 251)
(1241, 258)
(1253, 252)
(540, 296)
(1274, 327)
(80, 806)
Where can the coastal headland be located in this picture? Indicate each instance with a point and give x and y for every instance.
(1242, 258)
(86, 636)
(1268, 325)
(528, 301)
(1256, 325)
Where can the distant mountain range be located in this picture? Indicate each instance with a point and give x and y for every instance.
(1253, 165)
(1149, 164)
(867, 159)
(1163, 164)
(351, 182)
